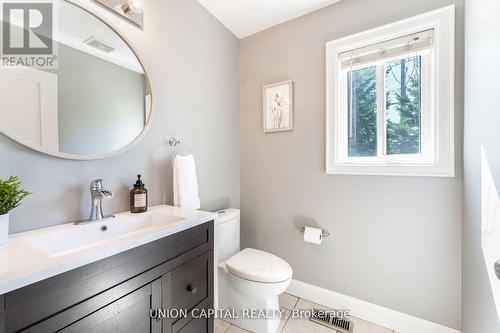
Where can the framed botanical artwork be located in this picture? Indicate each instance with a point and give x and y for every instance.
(278, 107)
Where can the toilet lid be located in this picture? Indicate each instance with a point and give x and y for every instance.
(259, 266)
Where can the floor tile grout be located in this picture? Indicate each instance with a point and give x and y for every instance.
(288, 319)
(286, 322)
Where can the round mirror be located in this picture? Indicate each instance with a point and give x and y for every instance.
(70, 86)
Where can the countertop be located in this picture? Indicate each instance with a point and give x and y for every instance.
(22, 264)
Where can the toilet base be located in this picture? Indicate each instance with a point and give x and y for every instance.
(264, 319)
(256, 305)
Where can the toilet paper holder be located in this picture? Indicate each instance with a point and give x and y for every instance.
(324, 232)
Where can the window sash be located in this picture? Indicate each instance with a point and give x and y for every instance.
(427, 137)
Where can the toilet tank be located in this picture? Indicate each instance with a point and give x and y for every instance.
(226, 235)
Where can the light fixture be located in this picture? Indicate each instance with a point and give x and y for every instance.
(129, 7)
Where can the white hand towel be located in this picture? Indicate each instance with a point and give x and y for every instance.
(185, 183)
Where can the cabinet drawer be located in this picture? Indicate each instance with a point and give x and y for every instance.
(190, 282)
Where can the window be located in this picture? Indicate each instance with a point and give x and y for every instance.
(390, 95)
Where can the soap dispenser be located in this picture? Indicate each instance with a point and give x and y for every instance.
(138, 197)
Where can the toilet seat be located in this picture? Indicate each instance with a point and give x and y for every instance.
(259, 266)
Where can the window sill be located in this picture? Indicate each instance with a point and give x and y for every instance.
(391, 169)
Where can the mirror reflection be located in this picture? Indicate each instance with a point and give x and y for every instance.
(95, 100)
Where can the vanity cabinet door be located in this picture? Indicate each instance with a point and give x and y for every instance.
(197, 326)
(129, 314)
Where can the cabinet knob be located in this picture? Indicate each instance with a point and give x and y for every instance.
(192, 289)
(497, 269)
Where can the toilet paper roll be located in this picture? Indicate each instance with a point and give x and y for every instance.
(313, 235)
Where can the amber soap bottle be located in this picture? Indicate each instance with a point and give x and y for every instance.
(138, 197)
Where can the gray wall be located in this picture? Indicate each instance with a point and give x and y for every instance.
(482, 119)
(192, 61)
(396, 241)
(95, 97)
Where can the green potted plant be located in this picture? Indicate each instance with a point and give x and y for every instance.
(10, 197)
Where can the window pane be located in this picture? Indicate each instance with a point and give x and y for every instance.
(362, 95)
(403, 105)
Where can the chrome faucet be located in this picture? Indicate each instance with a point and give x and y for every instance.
(97, 193)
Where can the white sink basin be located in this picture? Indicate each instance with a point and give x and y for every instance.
(79, 237)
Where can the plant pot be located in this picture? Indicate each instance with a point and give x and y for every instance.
(4, 228)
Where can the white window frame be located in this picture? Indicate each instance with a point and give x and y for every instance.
(437, 140)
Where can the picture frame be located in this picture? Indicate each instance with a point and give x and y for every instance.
(277, 112)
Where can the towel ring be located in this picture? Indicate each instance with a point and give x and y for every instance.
(173, 142)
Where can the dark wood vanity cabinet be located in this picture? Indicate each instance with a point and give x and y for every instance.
(117, 293)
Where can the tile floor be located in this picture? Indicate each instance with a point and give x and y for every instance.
(303, 325)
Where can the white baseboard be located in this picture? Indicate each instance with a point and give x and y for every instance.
(394, 320)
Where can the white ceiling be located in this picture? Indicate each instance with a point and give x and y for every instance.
(246, 17)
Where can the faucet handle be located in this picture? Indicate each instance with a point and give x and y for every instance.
(106, 194)
(96, 184)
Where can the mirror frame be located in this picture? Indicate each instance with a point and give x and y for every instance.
(122, 150)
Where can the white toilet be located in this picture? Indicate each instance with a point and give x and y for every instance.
(248, 279)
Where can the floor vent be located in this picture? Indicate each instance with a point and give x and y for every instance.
(330, 320)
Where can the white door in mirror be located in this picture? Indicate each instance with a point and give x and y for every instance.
(28, 107)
